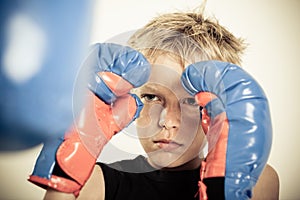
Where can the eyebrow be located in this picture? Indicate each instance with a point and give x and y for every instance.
(149, 88)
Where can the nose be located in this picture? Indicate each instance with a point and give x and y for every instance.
(170, 117)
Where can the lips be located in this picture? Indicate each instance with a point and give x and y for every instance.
(167, 145)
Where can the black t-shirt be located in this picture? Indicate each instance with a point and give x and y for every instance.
(136, 179)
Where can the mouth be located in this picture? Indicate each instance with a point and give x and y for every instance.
(167, 145)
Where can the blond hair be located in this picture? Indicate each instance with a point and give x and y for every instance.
(189, 35)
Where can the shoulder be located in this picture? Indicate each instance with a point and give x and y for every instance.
(94, 188)
(267, 186)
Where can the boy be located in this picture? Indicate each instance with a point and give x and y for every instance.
(169, 127)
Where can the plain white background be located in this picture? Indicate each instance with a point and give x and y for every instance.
(272, 29)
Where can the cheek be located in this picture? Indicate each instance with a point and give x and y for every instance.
(190, 121)
(200, 140)
(144, 118)
(196, 145)
(147, 144)
(147, 123)
(191, 131)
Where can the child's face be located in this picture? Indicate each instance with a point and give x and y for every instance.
(169, 124)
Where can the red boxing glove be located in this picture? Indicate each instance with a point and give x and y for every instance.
(66, 163)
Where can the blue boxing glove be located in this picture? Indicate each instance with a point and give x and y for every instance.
(65, 164)
(236, 120)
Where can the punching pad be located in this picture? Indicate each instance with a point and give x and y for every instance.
(42, 44)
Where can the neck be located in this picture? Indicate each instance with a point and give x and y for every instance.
(190, 165)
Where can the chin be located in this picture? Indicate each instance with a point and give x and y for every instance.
(165, 159)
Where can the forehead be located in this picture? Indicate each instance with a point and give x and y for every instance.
(166, 72)
(166, 58)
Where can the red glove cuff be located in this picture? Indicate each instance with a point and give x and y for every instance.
(57, 183)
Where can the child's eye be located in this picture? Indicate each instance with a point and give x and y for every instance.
(189, 101)
(150, 97)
